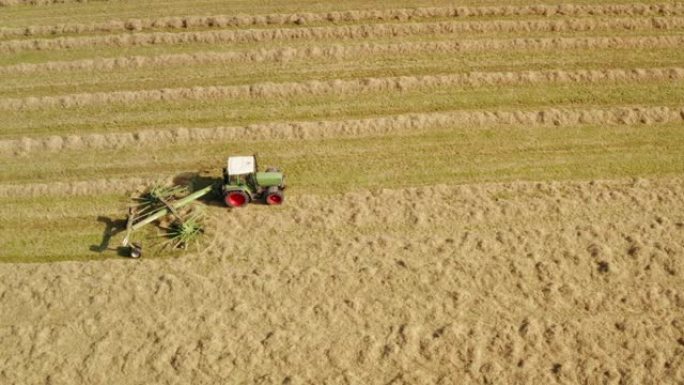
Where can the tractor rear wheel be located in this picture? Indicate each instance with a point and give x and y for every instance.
(274, 196)
(236, 198)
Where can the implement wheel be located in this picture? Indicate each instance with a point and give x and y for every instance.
(274, 197)
(135, 250)
(236, 198)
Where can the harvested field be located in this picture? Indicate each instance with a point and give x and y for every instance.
(390, 293)
(482, 193)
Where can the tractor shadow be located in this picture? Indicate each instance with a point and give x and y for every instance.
(197, 181)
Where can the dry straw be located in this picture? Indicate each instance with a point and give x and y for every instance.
(7, 3)
(347, 128)
(604, 191)
(343, 32)
(344, 87)
(337, 52)
(223, 21)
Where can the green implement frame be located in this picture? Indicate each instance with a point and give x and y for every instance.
(170, 207)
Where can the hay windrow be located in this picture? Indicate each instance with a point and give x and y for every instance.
(223, 21)
(345, 87)
(343, 32)
(554, 117)
(80, 188)
(8, 3)
(331, 52)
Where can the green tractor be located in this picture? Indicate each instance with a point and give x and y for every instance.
(242, 183)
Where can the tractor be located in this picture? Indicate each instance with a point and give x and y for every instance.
(242, 183)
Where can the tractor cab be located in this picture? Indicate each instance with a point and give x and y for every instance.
(243, 183)
(238, 169)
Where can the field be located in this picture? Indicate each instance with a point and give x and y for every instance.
(485, 192)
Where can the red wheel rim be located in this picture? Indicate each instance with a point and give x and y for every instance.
(236, 199)
(274, 199)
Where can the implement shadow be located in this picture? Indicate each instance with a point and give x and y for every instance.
(112, 227)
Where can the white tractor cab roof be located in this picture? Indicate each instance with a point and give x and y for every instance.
(241, 165)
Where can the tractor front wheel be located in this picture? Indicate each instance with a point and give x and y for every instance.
(274, 196)
(236, 198)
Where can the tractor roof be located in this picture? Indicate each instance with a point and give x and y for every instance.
(241, 165)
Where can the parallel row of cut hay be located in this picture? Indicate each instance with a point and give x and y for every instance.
(337, 52)
(346, 128)
(343, 32)
(222, 21)
(81, 188)
(7, 3)
(345, 87)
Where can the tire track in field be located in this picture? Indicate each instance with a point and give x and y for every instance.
(343, 32)
(342, 52)
(302, 18)
(386, 125)
(344, 87)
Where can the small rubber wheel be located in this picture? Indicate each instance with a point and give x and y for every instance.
(135, 251)
(236, 198)
(274, 197)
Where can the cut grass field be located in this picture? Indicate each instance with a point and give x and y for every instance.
(456, 154)
(482, 193)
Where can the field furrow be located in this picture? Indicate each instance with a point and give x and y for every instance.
(344, 32)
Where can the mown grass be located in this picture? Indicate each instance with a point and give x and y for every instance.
(19, 16)
(54, 33)
(32, 56)
(58, 228)
(242, 111)
(205, 75)
(70, 225)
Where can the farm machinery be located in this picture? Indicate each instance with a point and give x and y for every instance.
(241, 184)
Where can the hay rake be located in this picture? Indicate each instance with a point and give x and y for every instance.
(241, 184)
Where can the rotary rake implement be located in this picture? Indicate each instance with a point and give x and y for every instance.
(241, 184)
